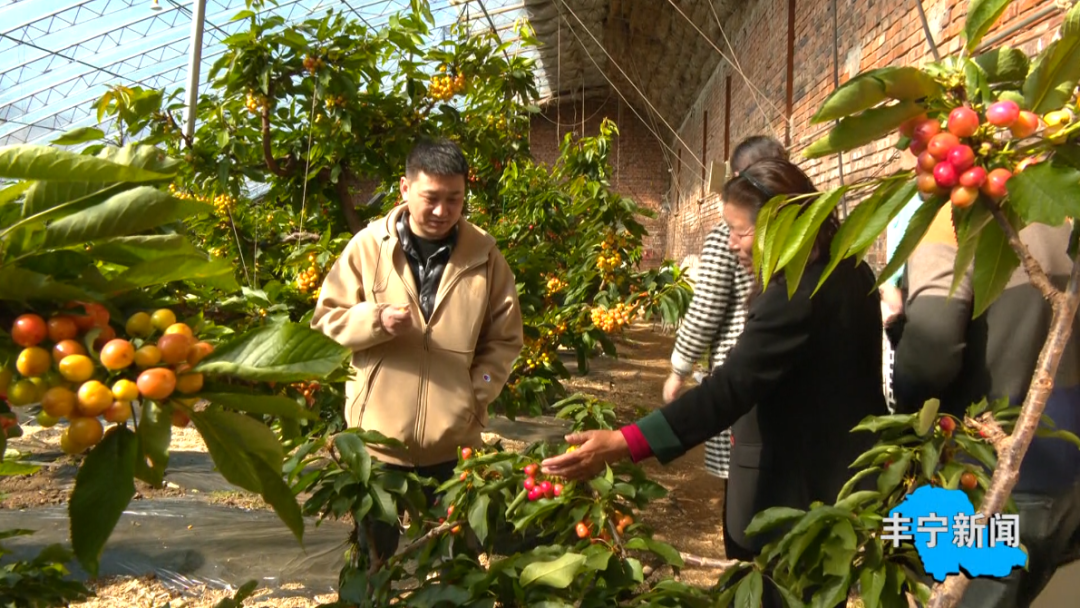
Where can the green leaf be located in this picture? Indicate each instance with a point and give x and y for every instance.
(478, 519)
(1046, 193)
(28, 161)
(981, 16)
(833, 592)
(805, 229)
(21, 285)
(126, 213)
(868, 89)
(557, 573)
(856, 500)
(13, 192)
(839, 549)
(1053, 78)
(1004, 64)
(354, 455)
(927, 417)
(133, 250)
(861, 129)
(893, 475)
(748, 591)
(1059, 434)
(876, 424)
(667, 552)
(185, 267)
(929, 456)
(917, 227)
(78, 136)
(267, 405)
(969, 224)
(104, 486)
(288, 352)
(774, 238)
(249, 455)
(995, 262)
(154, 433)
(11, 467)
(773, 518)
(871, 585)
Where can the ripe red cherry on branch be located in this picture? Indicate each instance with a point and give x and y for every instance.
(994, 187)
(925, 131)
(940, 145)
(546, 488)
(974, 177)
(961, 158)
(927, 184)
(968, 481)
(530, 469)
(28, 330)
(947, 424)
(557, 489)
(466, 453)
(963, 122)
(1002, 113)
(907, 129)
(530, 483)
(535, 494)
(945, 175)
(581, 529)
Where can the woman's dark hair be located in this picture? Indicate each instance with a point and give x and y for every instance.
(755, 148)
(771, 177)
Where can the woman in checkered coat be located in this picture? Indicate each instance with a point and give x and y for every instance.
(718, 308)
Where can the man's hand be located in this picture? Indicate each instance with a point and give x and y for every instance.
(594, 450)
(672, 386)
(396, 319)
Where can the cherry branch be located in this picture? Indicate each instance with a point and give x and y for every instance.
(991, 430)
(1035, 272)
(708, 562)
(1012, 448)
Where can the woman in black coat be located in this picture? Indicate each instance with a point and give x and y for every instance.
(803, 373)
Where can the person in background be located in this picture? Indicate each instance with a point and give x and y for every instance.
(945, 354)
(429, 307)
(803, 373)
(717, 309)
(892, 298)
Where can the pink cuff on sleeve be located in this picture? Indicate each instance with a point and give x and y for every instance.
(635, 440)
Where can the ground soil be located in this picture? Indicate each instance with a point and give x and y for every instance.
(689, 517)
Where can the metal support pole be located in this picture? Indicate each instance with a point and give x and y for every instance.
(198, 19)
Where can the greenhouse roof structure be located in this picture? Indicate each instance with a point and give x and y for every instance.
(58, 56)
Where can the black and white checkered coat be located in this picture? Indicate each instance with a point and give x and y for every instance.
(713, 324)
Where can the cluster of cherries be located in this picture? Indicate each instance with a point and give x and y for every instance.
(947, 160)
(539, 489)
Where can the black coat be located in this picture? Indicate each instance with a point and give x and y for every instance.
(803, 373)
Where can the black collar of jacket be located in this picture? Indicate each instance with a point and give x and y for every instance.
(408, 238)
(473, 244)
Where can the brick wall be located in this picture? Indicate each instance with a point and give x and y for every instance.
(871, 34)
(640, 171)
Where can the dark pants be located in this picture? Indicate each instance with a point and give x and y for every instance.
(387, 537)
(1050, 530)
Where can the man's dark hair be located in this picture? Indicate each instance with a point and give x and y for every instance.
(436, 157)
(755, 148)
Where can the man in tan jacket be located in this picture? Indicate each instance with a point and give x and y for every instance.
(429, 307)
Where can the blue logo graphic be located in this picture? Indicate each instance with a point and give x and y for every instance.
(951, 536)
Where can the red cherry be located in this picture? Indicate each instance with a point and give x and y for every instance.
(907, 129)
(1002, 113)
(530, 469)
(927, 184)
(535, 494)
(940, 145)
(945, 175)
(917, 147)
(947, 424)
(558, 489)
(925, 131)
(994, 187)
(974, 177)
(546, 488)
(530, 483)
(961, 157)
(963, 122)
(466, 453)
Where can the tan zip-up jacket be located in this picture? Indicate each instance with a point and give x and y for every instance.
(431, 386)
